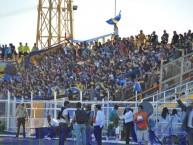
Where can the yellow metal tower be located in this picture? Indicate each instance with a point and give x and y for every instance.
(55, 22)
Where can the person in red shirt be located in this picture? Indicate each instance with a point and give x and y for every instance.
(141, 120)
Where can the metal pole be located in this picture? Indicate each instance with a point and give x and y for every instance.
(164, 98)
(50, 23)
(136, 101)
(31, 112)
(161, 77)
(70, 12)
(13, 110)
(157, 110)
(81, 96)
(115, 6)
(103, 104)
(181, 67)
(187, 91)
(55, 94)
(22, 99)
(108, 109)
(8, 110)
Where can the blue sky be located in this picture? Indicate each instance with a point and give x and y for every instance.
(18, 18)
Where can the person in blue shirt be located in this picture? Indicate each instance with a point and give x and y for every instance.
(5, 52)
(113, 118)
(137, 86)
(9, 52)
(113, 112)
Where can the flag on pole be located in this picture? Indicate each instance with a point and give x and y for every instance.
(114, 20)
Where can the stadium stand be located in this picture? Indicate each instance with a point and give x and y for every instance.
(122, 65)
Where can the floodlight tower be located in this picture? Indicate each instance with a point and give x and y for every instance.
(55, 22)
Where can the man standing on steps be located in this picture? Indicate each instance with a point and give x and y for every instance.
(187, 123)
(21, 116)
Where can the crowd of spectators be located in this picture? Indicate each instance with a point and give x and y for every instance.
(121, 65)
(9, 52)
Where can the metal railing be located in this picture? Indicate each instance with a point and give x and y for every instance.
(158, 101)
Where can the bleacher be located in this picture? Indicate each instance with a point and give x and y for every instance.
(160, 95)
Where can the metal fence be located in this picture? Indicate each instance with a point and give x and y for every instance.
(176, 72)
(39, 109)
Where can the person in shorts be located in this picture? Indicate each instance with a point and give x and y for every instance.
(141, 120)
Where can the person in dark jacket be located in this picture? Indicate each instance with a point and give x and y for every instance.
(63, 123)
(187, 123)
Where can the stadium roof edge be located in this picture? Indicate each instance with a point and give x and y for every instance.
(93, 39)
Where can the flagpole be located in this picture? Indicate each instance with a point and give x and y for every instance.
(115, 6)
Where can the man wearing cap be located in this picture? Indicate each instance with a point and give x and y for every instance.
(129, 125)
(21, 115)
(187, 123)
(141, 120)
(63, 123)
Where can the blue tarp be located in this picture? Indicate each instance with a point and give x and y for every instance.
(9, 77)
(130, 73)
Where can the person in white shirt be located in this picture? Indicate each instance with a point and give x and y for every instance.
(129, 125)
(98, 123)
(165, 121)
(53, 126)
(175, 119)
(64, 120)
(52, 122)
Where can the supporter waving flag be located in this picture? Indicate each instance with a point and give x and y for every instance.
(114, 20)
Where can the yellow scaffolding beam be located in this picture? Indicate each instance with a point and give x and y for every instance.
(55, 22)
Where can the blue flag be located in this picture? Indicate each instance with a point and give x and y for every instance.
(114, 20)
